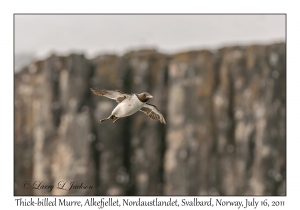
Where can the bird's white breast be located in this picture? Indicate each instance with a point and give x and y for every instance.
(128, 107)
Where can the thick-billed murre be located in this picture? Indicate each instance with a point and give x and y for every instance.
(130, 104)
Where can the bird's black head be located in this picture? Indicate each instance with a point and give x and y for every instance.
(144, 97)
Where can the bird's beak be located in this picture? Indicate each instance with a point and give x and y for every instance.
(150, 96)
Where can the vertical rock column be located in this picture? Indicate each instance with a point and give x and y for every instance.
(259, 113)
(44, 131)
(249, 113)
(233, 151)
(24, 125)
(72, 159)
(149, 74)
(190, 132)
(110, 73)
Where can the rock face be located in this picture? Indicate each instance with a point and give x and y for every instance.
(225, 132)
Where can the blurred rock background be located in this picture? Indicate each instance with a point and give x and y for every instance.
(225, 132)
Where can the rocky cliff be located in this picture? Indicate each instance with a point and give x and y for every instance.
(225, 132)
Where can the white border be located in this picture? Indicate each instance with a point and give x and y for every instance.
(154, 6)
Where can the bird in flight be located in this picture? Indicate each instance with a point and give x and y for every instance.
(130, 104)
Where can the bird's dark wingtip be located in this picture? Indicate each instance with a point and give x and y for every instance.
(98, 92)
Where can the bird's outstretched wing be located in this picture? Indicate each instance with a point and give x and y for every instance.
(117, 95)
(153, 113)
